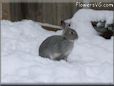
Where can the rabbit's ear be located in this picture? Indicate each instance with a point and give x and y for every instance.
(64, 24)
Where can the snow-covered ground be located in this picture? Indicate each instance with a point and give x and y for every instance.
(91, 60)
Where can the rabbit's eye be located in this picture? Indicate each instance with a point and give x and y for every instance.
(71, 32)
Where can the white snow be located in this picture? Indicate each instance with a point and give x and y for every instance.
(91, 60)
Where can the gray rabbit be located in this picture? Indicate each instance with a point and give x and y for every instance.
(58, 47)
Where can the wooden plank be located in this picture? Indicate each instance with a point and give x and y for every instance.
(15, 9)
(6, 11)
(0, 11)
(64, 11)
(39, 16)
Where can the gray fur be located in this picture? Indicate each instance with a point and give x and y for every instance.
(58, 47)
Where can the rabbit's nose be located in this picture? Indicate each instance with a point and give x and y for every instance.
(76, 36)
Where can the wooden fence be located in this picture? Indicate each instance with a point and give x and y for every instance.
(51, 13)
